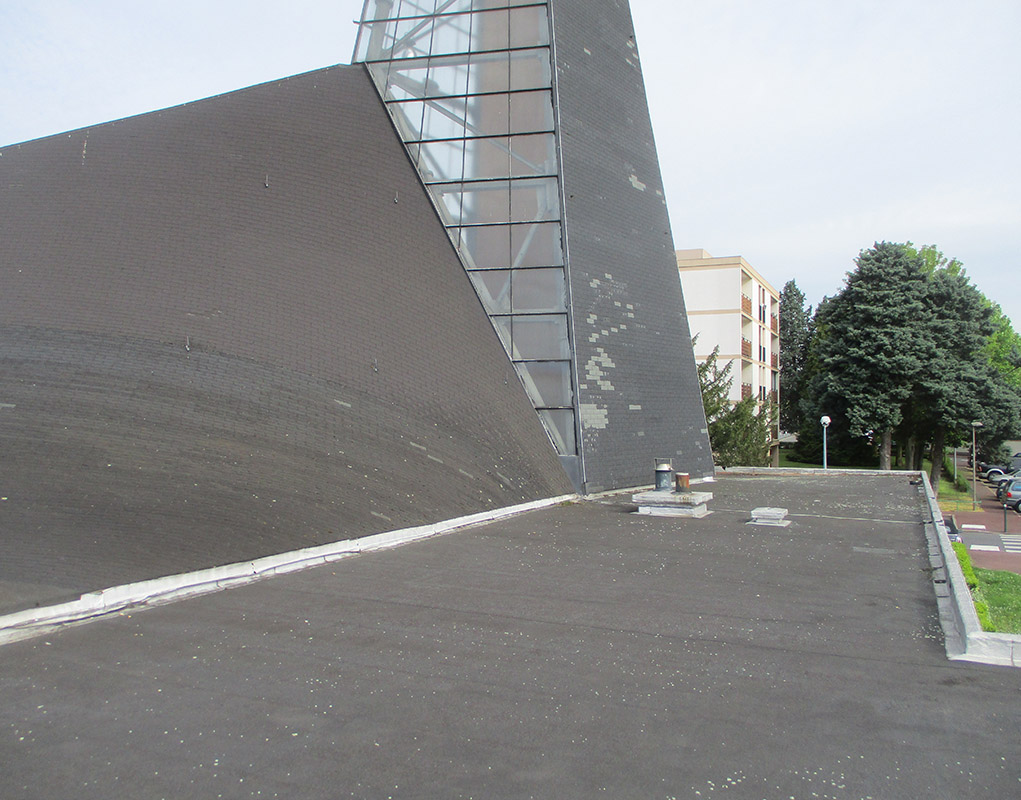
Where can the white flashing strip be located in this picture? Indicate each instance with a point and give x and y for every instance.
(158, 591)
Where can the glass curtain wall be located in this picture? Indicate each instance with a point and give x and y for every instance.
(468, 84)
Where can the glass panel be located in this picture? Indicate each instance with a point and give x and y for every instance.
(493, 287)
(531, 111)
(539, 290)
(380, 9)
(443, 119)
(451, 34)
(534, 200)
(502, 3)
(540, 337)
(375, 41)
(489, 115)
(486, 247)
(486, 158)
(489, 30)
(530, 69)
(528, 27)
(441, 161)
(534, 154)
(548, 383)
(503, 330)
(490, 72)
(536, 245)
(408, 118)
(453, 6)
(486, 202)
(412, 7)
(414, 37)
(378, 72)
(560, 424)
(447, 76)
(407, 79)
(448, 197)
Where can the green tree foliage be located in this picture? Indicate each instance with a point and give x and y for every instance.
(909, 351)
(737, 434)
(872, 347)
(949, 393)
(795, 334)
(1003, 349)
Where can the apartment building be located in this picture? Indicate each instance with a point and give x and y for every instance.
(730, 305)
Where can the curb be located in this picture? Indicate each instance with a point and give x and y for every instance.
(965, 640)
(158, 591)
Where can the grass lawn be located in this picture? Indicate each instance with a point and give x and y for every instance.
(996, 594)
(787, 461)
(1002, 593)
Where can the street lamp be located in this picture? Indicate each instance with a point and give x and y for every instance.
(825, 424)
(975, 425)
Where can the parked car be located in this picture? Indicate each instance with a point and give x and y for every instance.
(1003, 484)
(1012, 496)
(996, 478)
(993, 469)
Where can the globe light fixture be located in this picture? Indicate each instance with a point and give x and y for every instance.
(825, 422)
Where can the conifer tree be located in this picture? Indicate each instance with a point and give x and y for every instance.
(795, 334)
(873, 345)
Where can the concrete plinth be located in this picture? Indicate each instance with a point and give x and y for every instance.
(673, 504)
(765, 515)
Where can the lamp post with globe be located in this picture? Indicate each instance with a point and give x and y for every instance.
(825, 421)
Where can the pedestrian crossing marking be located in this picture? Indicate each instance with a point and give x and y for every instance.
(1011, 542)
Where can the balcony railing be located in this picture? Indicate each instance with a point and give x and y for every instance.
(746, 305)
(746, 391)
(775, 360)
(774, 323)
(746, 347)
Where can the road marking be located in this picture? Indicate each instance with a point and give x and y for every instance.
(1011, 543)
(972, 527)
(991, 547)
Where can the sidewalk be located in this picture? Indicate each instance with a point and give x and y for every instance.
(993, 521)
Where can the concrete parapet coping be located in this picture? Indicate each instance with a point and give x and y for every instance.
(965, 639)
(815, 471)
(963, 635)
(158, 591)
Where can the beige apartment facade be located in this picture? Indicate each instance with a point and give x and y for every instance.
(730, 305)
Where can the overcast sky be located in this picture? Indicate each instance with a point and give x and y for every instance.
(792, 132)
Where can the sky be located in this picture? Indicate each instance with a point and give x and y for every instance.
(792, 132)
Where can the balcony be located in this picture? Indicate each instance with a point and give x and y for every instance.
(775, 360)
(746, 305)
(746, 347)
(774, 323)
(746, 391)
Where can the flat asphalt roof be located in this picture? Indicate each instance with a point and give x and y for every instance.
(574, 652)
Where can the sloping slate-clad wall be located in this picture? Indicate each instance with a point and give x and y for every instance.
(237, 327)
(639, 396)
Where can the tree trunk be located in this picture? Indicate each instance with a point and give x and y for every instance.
(884, 449)
(909, 452)
(938, 445)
